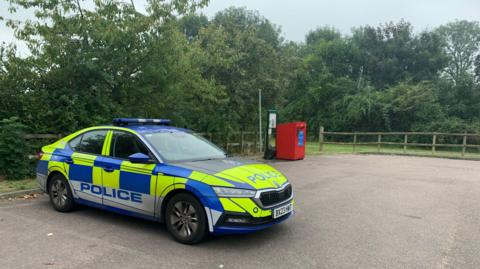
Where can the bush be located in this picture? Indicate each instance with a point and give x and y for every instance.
(14, 150)
(450, 125)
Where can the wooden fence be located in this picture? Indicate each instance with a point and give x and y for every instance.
(243, 143)
(237, 142)
(405, 144)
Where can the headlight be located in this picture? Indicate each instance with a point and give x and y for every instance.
(233, 192)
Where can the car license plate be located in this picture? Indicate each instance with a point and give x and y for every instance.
(283, 210)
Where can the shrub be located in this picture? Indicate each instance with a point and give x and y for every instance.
(14, 150)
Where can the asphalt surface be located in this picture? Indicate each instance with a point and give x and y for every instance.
(352, 211)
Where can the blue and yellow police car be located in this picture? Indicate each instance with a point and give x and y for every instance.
(149, 169)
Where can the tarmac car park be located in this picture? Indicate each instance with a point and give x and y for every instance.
(148, 169)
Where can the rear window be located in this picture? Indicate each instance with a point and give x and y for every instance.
(89, 142)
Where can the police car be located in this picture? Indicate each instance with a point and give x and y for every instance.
(148, 169)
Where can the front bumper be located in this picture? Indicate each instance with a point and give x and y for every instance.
(224, 228)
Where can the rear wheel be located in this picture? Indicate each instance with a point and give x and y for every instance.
(60, 194)
(185, 219)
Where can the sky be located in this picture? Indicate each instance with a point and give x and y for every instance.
(297, 17)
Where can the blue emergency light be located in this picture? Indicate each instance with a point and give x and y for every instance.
(137, 121)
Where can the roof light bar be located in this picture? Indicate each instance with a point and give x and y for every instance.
(137, 121)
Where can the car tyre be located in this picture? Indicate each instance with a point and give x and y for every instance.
(60, 194)
(185, 219)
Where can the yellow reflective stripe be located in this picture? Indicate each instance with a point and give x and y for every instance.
(180, 180)
(179, 186)
(259, 176)
(262, 168)
(215, 181)
(210, 180)
(46, 157)
(265, 213)
(232, 178)
(48, 149)
(251, 207)
(228, 205)
(83, 159)
(97, 176)
(60, 144)
(112, 179)
(167, 190)
(67, 169)
(57, 168)
(197, 176)
(163, 182)
(153, 184)
(106, 144)
(140, 168)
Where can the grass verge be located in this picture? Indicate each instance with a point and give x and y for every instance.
(17, 185)
(313, 149)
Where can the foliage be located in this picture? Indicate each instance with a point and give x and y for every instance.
(88, 65)
(14, 150)
(461, 44)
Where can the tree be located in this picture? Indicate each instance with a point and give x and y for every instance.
(191, 24)
(461, 40)
(242, 55)
(391, 53)
(477, 68)
(405, 105)
(88, 64)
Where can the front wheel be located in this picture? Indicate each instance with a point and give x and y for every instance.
(185, 219)
(60, 195)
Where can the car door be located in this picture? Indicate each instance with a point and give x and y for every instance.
(86, 179)
(126, 185)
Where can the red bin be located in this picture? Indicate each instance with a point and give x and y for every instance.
(290, 141)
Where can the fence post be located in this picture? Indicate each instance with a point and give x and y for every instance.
(321, 139)
(354, 141)
(226, 142)
(405, 142)
(434, 142)
(464, 145)
(241, 142)
(379, 142)
(255, 136)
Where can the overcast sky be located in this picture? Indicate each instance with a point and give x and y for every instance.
(297, 17)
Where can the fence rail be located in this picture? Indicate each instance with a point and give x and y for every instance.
(405, 144)
(42, 136)
(237, 142)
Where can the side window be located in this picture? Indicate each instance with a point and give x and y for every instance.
(90, 142)
(125, 144)
(75, 142)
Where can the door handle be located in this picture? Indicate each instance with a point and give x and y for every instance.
(69, 161)
(108, 169)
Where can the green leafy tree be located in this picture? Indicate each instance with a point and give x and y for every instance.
(14, 150)
(461, 42)
(88, 64)
(243, 55)
(391, 53)
(405, 104)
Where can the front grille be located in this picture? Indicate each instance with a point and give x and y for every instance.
(269, 198)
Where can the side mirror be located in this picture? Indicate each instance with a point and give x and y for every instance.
(139, 158)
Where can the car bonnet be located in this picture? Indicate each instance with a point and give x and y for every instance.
(239, 173)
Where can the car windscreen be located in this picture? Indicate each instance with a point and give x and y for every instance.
(175, 146)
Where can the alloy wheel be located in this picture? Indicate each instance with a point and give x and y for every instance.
(59, 193)
(184, 219)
